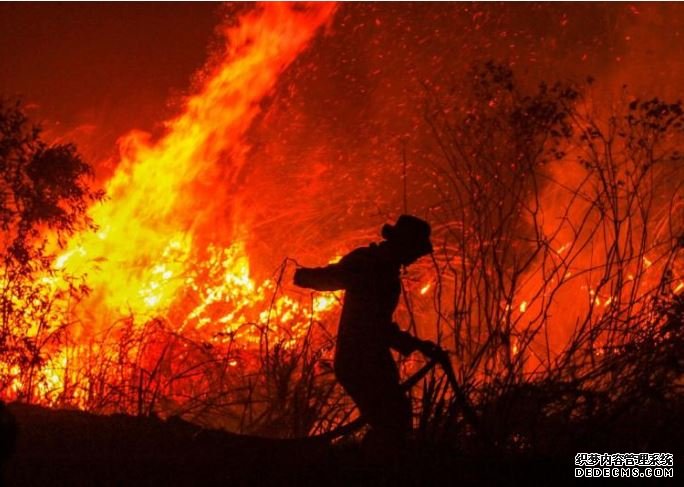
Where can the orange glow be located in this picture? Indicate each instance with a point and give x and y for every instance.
(176, 253)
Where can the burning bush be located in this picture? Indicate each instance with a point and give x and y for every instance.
(561, 269)
(45, 195)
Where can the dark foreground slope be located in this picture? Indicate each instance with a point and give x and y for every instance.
(77, 448)
(73, 448)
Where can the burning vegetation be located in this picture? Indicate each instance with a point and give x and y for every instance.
(143, 299)
(556, 284)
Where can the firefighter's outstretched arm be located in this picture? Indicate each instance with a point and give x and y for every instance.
(346, 273)
(330, 278)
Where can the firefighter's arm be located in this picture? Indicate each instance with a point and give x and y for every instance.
(329, 278)
(346, 273)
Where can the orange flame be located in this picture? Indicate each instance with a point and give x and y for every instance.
(164, 191)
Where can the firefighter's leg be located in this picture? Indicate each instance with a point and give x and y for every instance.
(387, 410)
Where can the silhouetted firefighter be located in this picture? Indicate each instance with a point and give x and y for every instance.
(363, 361)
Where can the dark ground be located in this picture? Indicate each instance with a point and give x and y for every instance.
(73, 448)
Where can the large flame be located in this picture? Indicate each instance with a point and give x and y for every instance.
(164, 191)
(170, 232)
